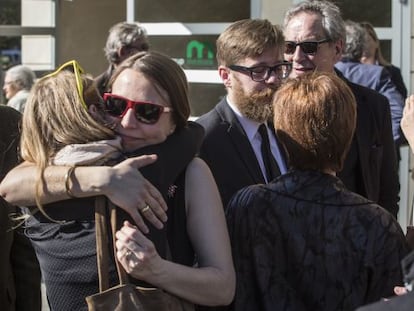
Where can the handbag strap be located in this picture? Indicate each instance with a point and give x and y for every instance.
(102, 205)
(122, 275)
(103, 245)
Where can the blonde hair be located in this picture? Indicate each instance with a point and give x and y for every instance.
(315, 119)
(55, 117)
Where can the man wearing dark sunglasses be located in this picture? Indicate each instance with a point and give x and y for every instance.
(238, 133)
(315, 37)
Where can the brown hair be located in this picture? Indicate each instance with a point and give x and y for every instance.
(247, 38)
(315, 118)
(378, 54)
(166, 75)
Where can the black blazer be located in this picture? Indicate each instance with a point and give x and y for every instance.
(376, 156)
(228, 152)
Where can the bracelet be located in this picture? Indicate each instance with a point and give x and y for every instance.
(68, 176)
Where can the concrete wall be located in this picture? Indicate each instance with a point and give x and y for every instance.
(82, 27)
(275, 10)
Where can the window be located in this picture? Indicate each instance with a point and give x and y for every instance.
(191, 11)
(187, 31)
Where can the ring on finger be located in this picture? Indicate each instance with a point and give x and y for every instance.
(146, 208)
(128, 255)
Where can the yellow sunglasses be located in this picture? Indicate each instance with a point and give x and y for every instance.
(77, 70)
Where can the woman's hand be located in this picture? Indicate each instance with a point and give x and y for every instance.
(407, 121)
(137, 253)
(129, 190)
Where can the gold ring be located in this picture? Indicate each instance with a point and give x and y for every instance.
(146, 208)
(128, 255)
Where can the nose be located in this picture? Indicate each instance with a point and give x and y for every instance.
(129, 120)
(272, 78)
(298, 55)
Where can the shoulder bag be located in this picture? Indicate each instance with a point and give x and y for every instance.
(125, 296)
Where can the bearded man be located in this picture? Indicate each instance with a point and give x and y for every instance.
(238, 130)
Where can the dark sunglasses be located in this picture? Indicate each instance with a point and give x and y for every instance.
(307, 47)
(145, 112)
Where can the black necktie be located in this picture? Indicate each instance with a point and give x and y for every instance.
(272, 169)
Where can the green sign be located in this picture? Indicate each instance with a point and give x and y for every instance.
(200, 53)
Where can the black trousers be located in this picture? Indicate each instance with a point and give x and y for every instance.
(20, 276)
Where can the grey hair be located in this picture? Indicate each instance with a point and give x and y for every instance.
(332, 21)
(355, 41)
(124, 34)
(22, 76)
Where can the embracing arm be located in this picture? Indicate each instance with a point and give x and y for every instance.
(173, 156)
(213, 281)
(123, 184)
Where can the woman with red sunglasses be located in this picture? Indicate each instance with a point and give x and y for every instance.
(147, 106)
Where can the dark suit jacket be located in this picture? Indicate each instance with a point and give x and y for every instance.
(228, 152)
(375, 150)
(379, 79)
(19, 269)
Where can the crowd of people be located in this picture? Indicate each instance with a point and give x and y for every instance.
(283, 197)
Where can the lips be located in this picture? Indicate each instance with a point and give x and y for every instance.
(126, 138)
(303, 69)
(300, 71)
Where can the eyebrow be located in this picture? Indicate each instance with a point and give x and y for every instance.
(304, 40)
(265, 64)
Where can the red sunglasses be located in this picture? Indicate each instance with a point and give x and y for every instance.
(145, 112)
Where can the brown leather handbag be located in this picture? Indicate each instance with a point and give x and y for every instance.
(125, 296)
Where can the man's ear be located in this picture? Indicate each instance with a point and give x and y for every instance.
(224, 73)
(122, 52)
(339, 47)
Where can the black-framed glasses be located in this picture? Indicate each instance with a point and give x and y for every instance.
(307, 47)
(145, 112)
(262, 73)
(78, 71)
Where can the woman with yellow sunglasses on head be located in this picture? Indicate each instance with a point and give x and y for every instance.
(145, 113)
